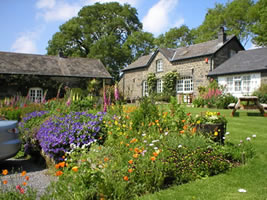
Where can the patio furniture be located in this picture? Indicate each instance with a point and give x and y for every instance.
(253, 99)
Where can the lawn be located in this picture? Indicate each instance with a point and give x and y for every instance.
(252, 176)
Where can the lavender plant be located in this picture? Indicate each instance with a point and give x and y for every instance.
(58, 134)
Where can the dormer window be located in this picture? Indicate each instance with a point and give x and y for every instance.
(159, 65)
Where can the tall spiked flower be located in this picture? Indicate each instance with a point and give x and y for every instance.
(105, 100)
(116, 92)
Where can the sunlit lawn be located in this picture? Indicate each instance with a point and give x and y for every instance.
(252, 176)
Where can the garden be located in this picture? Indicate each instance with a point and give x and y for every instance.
(109, 150)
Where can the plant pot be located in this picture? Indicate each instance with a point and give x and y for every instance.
(210, 129)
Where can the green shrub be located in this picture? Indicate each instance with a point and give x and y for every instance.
(261, 93)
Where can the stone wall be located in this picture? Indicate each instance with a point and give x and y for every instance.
(131, 83)
(224, 53)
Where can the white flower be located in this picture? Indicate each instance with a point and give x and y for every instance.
(223, 138)
(151, 144)
(254, 136)
(155, 148)
(227, 133)
(179, 146)
(248, 139)
(155, 141)
(143, 134)
(242, 190)
(145, 141)
(166, 133)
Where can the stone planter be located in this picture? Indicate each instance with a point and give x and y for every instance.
(210, 129)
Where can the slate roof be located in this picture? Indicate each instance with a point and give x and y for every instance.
(254, 60)
(31, 64)
(182, 53)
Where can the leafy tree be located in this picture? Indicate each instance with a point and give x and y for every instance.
(175, 37)
(235, 16)
(138, 44)
(99, 31)
(259, 15)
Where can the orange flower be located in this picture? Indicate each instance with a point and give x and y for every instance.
(24, 183)
(23, 173)
(157, 121)
(133, 140)
(136, 150)
(5, 172)
(185, 127)
(127, 145)
(183, 120)
(106, 159)
(59, 173)
(130, 161)
(152, 158)
(155, 154)
(63, 157)
(130, 170)
(182, 131)
(4, 182)
(75, 169)
(61, 164)
(194, 130)
(131, 149)
(125, 178)
(135, 155)
(27, 178)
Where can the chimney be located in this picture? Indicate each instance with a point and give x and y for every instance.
(221, 35)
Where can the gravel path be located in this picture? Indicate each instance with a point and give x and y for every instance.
(39, 177)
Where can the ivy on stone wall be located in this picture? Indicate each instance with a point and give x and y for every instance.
(169, 83)
(152, 83)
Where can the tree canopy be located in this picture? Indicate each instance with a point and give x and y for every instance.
(99, 31)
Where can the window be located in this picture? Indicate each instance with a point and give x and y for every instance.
(159, 65)
(36, 94)
(246, 83)
(232, 52)
(145, 88)
(237, 83)
(229, 84)
(184, 85)
(159, 86)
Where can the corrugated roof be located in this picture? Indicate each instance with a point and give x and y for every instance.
(182, 53)
(244, 61)
(31, 64)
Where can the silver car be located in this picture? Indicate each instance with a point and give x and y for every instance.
(9, 139)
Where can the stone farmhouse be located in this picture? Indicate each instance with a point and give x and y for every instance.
(243, 73)
(30, 74)
(193, 63)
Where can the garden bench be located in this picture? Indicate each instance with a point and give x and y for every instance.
(264, 106)
(231, 106)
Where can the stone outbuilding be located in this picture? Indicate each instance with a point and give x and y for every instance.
(193, 63)
(30, 74)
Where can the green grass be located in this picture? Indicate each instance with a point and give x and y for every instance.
(252, 176)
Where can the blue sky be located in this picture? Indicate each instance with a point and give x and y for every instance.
(28, 25)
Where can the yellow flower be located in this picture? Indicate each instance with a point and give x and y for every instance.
(215, 133)
(75, 169)
(198, 122)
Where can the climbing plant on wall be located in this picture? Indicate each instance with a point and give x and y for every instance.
(152, 83)
(169, 83)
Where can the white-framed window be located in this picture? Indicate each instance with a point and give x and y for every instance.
(184, 85)
(145, 88)
(246, 83)
(159, 65)
(230, 83)
(36, 94)
(237, 83)
(159, 86)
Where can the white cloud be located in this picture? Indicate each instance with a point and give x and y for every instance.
(58, 10)
(254, 46)
(45, 3)
(26, 42)
(179, 22)
(158, 17)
